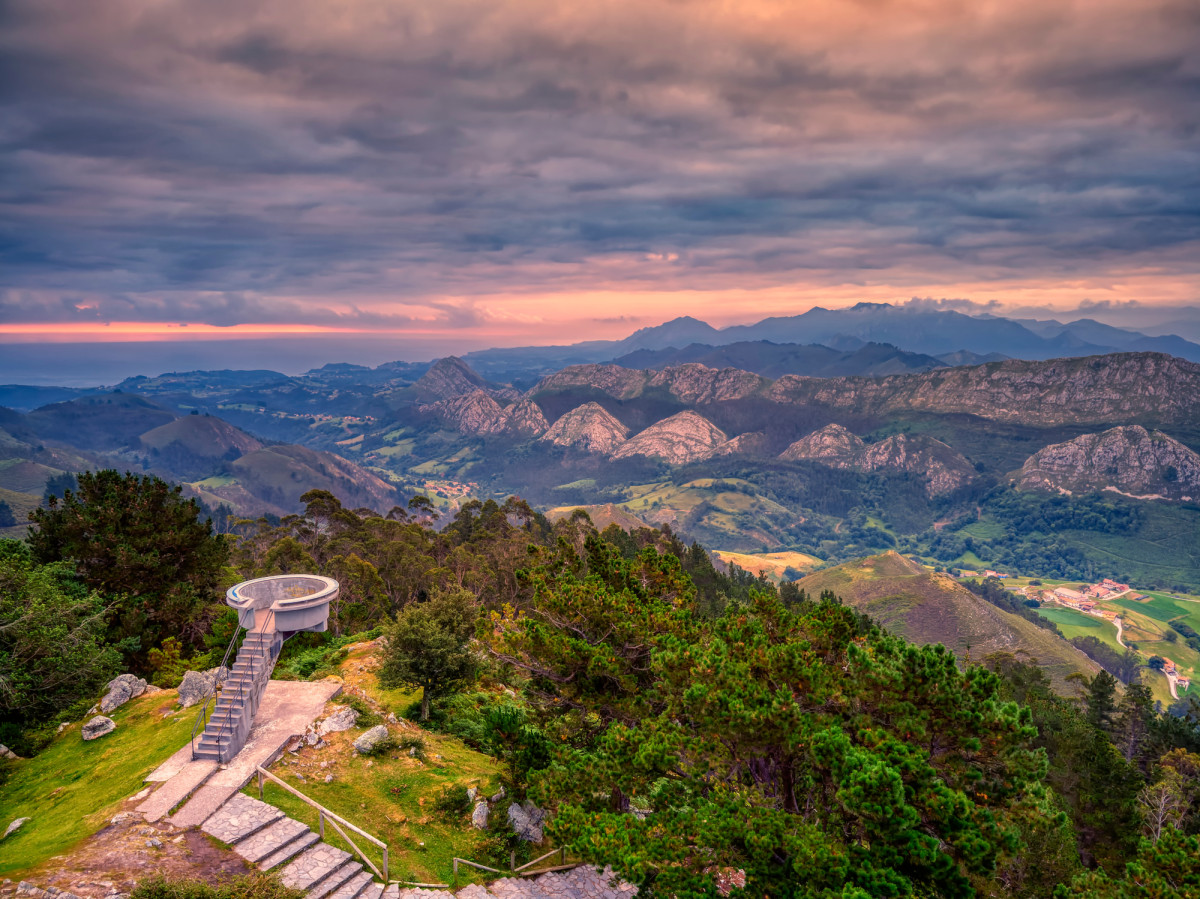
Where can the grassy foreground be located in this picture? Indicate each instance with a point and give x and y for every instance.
(391, 796)
(71, 789)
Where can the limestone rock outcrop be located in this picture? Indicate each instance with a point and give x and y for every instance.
(753, 443)
(524, 419)
(590, 428)
(831, 444)
(684, 437)
(1128, 460)
(943, 468)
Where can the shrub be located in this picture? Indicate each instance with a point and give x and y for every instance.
(410, 743)
(367, 716)
(452, 801)
(251, 886)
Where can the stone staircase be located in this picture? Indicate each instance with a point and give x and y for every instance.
(227, 729)
(267, 838)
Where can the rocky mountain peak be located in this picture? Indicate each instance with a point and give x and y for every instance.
(471, 413)
(944, 468)
(590, 428)
(1127, 459)
(684, 437)
(525, 419)
(451, 377)
(830, 442)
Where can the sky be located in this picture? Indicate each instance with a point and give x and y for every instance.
(419, 178)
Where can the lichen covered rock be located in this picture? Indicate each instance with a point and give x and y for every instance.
(98, 727)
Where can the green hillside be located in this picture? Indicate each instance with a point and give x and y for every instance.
(925, 607)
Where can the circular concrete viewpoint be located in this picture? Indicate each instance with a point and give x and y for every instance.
(300, 602)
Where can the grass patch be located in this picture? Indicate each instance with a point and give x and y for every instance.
(72, 788)
(984, 530)
(1163, 610)
(394, 797)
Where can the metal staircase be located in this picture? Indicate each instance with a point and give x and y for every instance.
(225, 731)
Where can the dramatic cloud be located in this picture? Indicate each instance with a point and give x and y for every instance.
(500, 168)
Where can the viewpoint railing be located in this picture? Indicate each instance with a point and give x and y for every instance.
(522, 870)
(210, 696)
(335, 820)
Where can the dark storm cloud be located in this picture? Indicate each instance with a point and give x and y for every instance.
(224, 162)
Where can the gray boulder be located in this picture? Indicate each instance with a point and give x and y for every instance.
(526, 820)
(6, 753)
(479, 817)
(195, 687)
(498, 795)
(367, 742)
(14, 827)
(341, 718)
(121, 689)
(98, 727)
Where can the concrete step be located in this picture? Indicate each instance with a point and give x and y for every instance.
(334, 880)
(353, 887)
(177, 789)
(270, 840)
(239, 818)
(391, 891)
(372, 891)
(289, 851)
(474, 891)
(312, 865)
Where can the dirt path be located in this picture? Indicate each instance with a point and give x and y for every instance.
(1120, 632)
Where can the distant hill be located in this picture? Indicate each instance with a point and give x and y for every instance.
(279, 475)
(925, 607)
(24, 398)
(602, 516)
(775, 566)
(100, 422)
(773, 359)
(190, 446)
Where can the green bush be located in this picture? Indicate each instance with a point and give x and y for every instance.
(408, 743)
(367, 716)
(452, 801)
(251, 886)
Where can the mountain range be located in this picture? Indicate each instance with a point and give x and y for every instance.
(947, 456)
(949, 336)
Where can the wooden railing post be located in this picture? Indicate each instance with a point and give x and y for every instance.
(321, 825)
(386, 875)
(456, 874)
(260, 787)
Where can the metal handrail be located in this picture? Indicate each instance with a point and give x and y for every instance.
(334, 819)
(267, 628)
(522, 870)
(218, 682)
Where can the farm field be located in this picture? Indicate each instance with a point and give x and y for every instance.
(1077, 624)
(773, 565)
